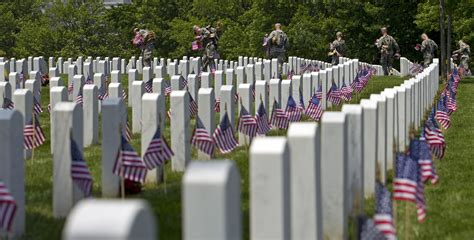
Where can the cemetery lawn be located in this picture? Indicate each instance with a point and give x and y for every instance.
(450, 204)
(165, 199)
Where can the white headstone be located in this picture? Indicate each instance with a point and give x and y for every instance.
(153, 109)
(91, 115)
(334, 175)
(381, 134)
(179, 126)
(275, 94)
(369, 142)
(68, 123)
(206, 113)
(270, 189)
(12, 170)
(261, 94)
(228, 103)
(355, 147)
(56, 95)
(138, 89)
(111, 134)
(304, 143)
(111, 219)
(219, 218)
(245, 101)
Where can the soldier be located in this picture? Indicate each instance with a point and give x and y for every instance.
(337, 48)
(208, 38)
(428, 47)
(464, 50)
(144, 40)
(278, 43)
(388, 46)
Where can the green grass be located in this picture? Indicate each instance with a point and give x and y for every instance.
(450, 202)
(165, 204)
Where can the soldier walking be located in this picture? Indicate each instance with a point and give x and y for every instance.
(388, 50)
(208, 38)
(278, 43)
(428, 47)
(464, 51)
(337, 48)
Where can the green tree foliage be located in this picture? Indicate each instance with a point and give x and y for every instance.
(86, 27)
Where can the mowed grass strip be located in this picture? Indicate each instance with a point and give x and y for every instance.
(165, 199)
(450, 204)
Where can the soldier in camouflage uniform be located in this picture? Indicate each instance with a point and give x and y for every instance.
(337, 48)
(428, 47)
(388, 49)
(278, 42)
(464, 50)
(208, 37)
(146, 45)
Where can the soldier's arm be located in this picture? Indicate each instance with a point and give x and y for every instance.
(395, 45)
(423, 46)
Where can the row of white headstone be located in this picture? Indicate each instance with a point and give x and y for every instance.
(83, 124)
(406, 65)
(290, 204)
(303, 186)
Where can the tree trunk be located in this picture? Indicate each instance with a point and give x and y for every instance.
(442, 28)
(449, 43)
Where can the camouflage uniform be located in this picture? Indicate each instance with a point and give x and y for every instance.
(276, 51)
(388, 46)
(428, 48)
(339, 46)
(464, 50)
(146, 49)
(209, 38)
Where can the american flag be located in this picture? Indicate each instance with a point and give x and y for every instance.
(253, 91)
(357, 85)
(368, 230)
(293, 111)
(435, 138)
(383, 217)
(279, 118)
(102, 93)
(128, 131)
(450, 100)
(224, 136)
(414, 154)
(8, 103)
(193, 107)
(346, 92)
(80, 98)
(442, 115)
(33, 135)
(149, 86)
(290, 74)
(428, 171)
(334, 94)
(158, 151)
(202, 140)
(80, 173)
(406, 178)
(314, 109)
(319, 92)
(217, 105)
(7, 208)
(37, 106)
(415, 69)
(89, 81)
(124, 94)
(407, 184)
(70, 87)
(247, 123)
(263, 126)
(183, 84)
(167, 89)
(128, 164)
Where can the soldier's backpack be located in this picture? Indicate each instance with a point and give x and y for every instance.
(279, 39)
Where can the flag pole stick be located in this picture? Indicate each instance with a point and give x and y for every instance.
(122, 178)
(164, 162)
